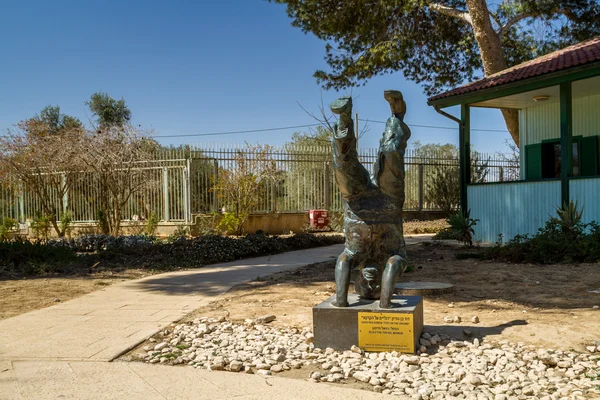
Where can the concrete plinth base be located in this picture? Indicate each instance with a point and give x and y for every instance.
(365, 325)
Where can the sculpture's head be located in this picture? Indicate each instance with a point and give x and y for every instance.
(397, 104)
(371, 275)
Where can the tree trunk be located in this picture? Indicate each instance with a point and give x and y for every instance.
(56, 227)
(492, 55)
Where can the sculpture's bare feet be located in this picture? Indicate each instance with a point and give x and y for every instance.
(342, 106)
(396, 100)
(340, 303)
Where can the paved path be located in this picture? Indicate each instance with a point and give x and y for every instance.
(61, 351)
(41, 380)
(102, 325)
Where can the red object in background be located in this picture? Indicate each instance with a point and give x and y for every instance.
(319, 218)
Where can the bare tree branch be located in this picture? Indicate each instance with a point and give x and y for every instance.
(518, 18)
(450, 11)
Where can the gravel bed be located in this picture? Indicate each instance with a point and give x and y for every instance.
(444, 368)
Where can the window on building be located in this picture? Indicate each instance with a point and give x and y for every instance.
(551, 157)
(542, 160)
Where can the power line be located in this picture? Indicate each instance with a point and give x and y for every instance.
(281, 128)
(237, 132)
(437, 127)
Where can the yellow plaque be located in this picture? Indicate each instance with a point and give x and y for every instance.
(386, 332)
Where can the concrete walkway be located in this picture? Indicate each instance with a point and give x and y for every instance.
(104, 324)
(61, 351)
(41, 380)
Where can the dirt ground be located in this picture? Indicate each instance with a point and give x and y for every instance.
(18, 296)
(549, 306)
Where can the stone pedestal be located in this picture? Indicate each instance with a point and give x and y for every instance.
(369, 327)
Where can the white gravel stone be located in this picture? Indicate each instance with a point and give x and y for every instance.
(160, 346)
(453, 369)
(475, 319)
(236, 366)
(265, 319)
(276, 368)
(263, 372)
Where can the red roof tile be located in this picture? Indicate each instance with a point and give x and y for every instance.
(582, 53)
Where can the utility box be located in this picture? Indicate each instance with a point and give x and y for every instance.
(319, 219)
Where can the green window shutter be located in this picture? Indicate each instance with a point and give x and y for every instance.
(533, 161)
(588, 157)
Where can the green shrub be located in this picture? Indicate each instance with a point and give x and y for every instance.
(65, 223)
(41, 224)
(7, 225)
(180, 232)
(569, 216)
(142, 251)
(446, 234)
(230, 223)
(23, 256)
(102, 221)
(563, 239)
(151, 224)
(461, 226)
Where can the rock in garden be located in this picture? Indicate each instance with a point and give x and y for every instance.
(160, 346)
(457, 319)
(356, 349)
(448, 319)
(235, 366)
(489, 370)
(316, 375)
(473, 380)
(361, 376)
(591, 349)
(218, 364)
(277, 368)
(263, 372)
(475, 319)
(412, 360)
(265, 319)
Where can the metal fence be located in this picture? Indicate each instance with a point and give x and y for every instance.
(181, 182)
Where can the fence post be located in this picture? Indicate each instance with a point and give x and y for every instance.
(22, 202)
(420, 188)
(501, 174)
(65, 199)
(273, 198)
(327, 184)
(165, 194)
(186, 206)
(214, 193)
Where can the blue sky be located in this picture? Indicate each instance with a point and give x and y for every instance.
(191, 67)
